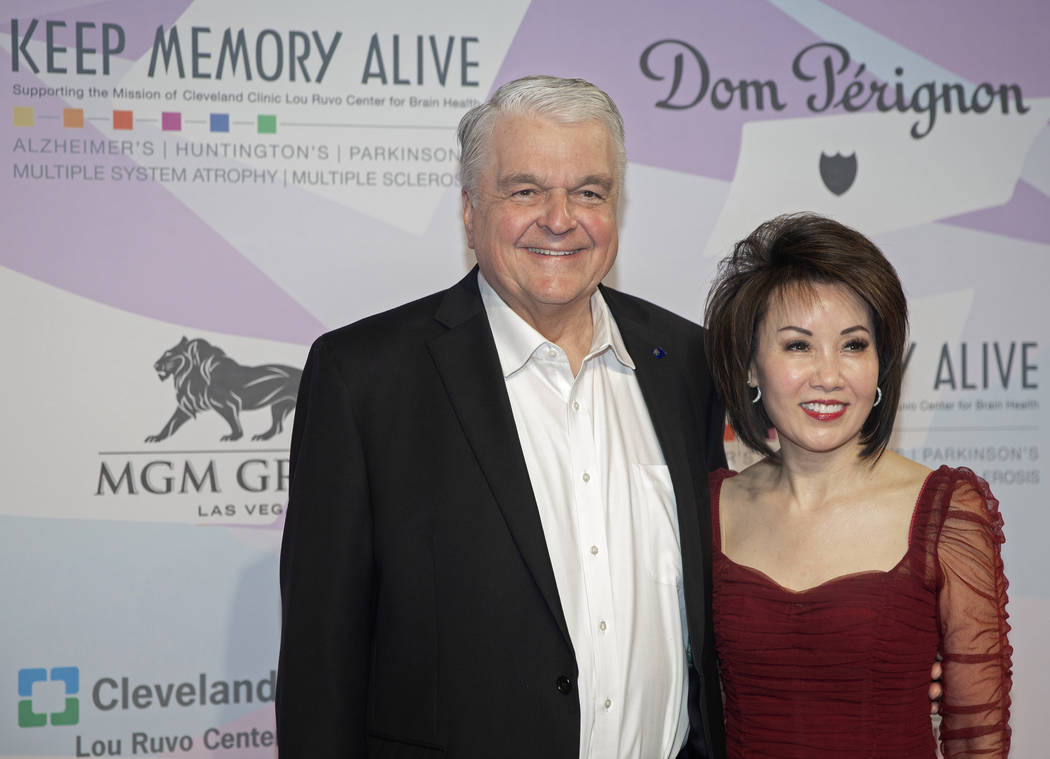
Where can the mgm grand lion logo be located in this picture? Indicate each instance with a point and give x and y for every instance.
(206, 378)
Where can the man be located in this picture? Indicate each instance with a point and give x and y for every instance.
(497, 541)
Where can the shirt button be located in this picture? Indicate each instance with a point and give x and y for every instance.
(594, 550)
(575, 405)
(608, 703)
(586, 477)
(551, 353)
(602, 626)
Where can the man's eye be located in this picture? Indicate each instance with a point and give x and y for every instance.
(524, 193)
(591, 195)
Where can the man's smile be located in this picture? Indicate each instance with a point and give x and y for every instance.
(549, 252)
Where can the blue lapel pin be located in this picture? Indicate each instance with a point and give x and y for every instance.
(659, 352)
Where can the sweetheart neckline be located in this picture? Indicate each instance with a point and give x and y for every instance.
(716, 497)
(831, 580)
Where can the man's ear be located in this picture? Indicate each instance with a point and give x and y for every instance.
(468, 218)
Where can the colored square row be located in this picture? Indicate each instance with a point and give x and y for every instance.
(170, 121)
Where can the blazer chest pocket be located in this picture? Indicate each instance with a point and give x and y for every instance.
(656, 522)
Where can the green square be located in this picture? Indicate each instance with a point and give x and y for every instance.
(70, 716)
(27, 717)
(267, 124)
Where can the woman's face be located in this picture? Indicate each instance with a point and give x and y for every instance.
(817, 365)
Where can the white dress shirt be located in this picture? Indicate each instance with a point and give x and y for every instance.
(610, 521)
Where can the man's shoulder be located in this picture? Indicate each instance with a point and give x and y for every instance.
(398, 327)
(625, 306)
(399, 321)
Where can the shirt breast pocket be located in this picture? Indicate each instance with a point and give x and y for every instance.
(656, 523)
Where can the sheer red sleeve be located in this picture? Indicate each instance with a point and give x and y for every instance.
(972, 610)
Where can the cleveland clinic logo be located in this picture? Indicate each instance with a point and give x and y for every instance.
(31, 683)
(205, 378)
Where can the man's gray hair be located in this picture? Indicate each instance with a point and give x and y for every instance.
(566, 101)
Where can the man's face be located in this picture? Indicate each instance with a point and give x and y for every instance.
(543, 224)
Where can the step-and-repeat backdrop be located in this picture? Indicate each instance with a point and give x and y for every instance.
(193, 191)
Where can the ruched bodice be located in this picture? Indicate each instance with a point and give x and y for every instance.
(842, 669)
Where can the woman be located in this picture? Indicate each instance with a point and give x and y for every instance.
(841, 569)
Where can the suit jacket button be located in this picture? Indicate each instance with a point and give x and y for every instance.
(564, 685)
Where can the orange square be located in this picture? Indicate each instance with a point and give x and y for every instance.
(73, 118)
(23, 116)
(122, 120)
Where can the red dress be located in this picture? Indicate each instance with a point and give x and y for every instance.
(842, 669)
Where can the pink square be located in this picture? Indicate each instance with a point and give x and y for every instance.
(171, 121)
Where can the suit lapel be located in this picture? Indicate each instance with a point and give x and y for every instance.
(467, 361)
(660, 372)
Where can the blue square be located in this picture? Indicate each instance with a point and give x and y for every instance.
(26, 678)
(220, 122)
(69, 675)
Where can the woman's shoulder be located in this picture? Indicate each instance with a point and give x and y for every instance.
(900, 479)
(716, 483)
(957, 513)
(960, 489)
(752, 477)
(746, 486)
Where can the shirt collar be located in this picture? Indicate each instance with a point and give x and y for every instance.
(517, 340)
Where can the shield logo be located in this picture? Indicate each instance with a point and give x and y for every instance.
(838, 171)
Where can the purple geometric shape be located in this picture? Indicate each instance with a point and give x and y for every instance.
(133, 245)
(170, 121)
(609, 54)
(1024, 216)
(1000, 43)
(752, 41)
(139, 24)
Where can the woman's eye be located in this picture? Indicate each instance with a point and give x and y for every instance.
(797, 345)
(856, 345)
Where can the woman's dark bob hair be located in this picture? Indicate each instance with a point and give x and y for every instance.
(790, 254)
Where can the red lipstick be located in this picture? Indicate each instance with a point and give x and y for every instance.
(824, 411)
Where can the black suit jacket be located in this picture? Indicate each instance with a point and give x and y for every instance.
(420, 611)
